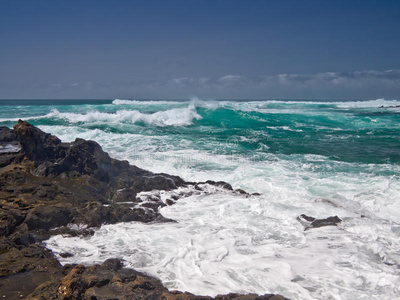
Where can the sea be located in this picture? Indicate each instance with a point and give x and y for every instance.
(318, 158)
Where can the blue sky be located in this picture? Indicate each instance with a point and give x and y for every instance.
(209, 49)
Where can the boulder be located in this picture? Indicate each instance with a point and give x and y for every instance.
(311, 222)
(47, 217)
(9, 219)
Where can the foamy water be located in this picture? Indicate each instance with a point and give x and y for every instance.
(224, 243)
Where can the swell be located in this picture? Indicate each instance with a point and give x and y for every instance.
(171, 117)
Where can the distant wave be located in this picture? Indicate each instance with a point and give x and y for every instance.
(144, 102)
(183, 113)
(213, 104)
(369, 103)
(295, 106)
(172, 117)
(358, 103)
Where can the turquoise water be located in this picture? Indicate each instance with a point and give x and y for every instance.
(362, 132)
(317, 158)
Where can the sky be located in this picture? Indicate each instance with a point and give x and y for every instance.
(220, 49)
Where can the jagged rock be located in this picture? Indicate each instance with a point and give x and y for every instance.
(330, 221)
(25, 259)
(240, 191)
(124, 195)
(169, 202)
(9, 146)
(6, 159)
(9, 219)
(47, 217)
(7, 135)
(36, 145)
(111, 281)
(311, 222)
(94, 214)
(221, 184)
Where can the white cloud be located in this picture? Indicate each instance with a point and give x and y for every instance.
(189, 81)
(231, 78)
(369, 84)
(328, 83)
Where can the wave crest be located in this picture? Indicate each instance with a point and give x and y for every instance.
(368, 104)
(172, 117)
(144, 102)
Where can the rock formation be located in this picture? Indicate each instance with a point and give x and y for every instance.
(311, 222)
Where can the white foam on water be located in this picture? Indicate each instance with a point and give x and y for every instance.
(368, 104)
(376, 103)
(9, 119)
(9, 147)
(145, 102)
(299, 107)
(171, 117)
(287, 128)
(183, 116)
(225, 243)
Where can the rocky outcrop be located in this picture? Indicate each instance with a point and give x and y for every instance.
(111, 281)
(50, 187)
(311, 222)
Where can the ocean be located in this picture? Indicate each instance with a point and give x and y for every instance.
(303, 157)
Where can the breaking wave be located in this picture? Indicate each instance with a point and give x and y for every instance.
(144, 102)
(172, 117)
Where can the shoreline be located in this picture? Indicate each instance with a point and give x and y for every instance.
(47, 185)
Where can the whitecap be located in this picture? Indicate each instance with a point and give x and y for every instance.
(368, 104)
(171, 117)
(145, 102)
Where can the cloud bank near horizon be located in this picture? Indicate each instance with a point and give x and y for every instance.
(370, 84)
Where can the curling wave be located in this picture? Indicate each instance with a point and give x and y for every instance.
(172, 117)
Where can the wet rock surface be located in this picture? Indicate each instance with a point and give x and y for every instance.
(9, 146)
(311, 222)
(48, 187)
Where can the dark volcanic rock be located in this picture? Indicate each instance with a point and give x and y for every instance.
(47, 217)
(7, 135)
(242, 192)
(49, 187)
(9, 146)
(311, 222)
(80, 173)
(9, 219)
(111, 281)
(36, 145)
(330, 221)
(222, 184)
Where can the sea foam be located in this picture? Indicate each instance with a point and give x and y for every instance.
(223, 243)
(144, 102)
(172, 117)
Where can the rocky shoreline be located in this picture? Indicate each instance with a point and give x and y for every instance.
(48, 187)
